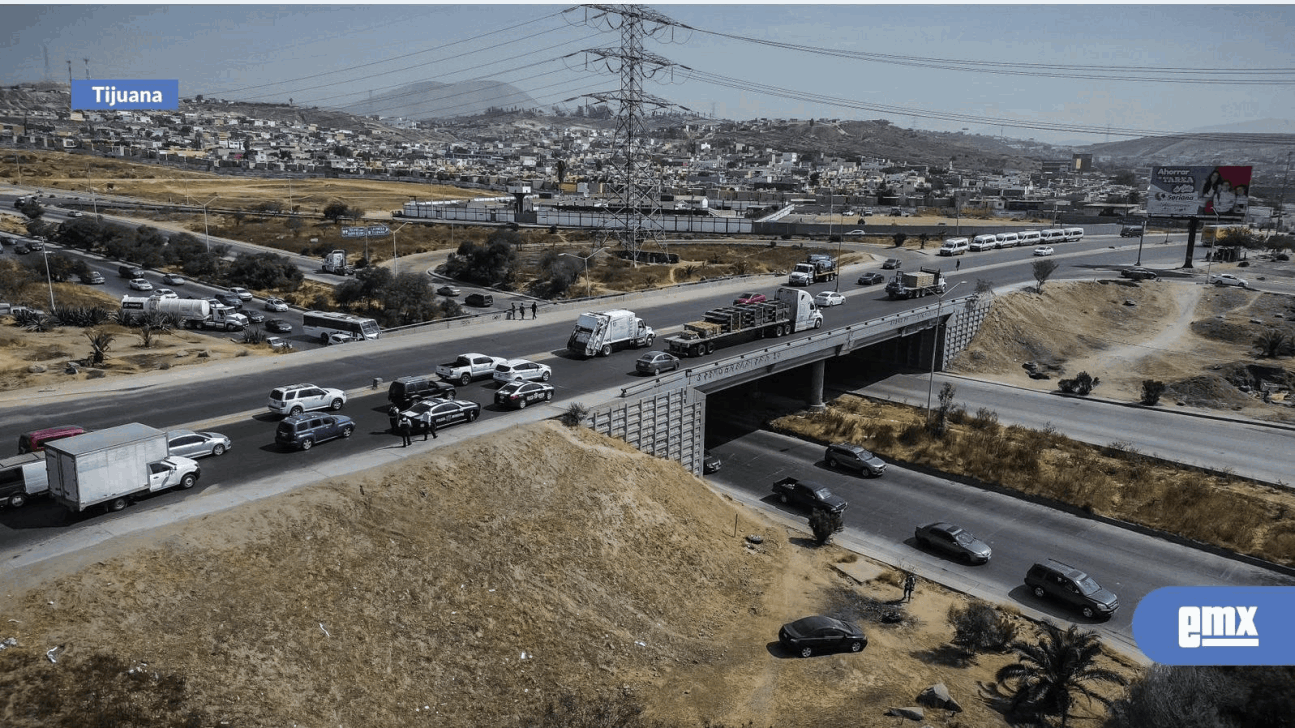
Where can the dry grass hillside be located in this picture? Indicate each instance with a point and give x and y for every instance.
(471, 586)
(1199, 340)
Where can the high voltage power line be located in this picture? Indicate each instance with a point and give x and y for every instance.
(1132, 74)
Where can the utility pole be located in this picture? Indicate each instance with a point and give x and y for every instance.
(1281, 200)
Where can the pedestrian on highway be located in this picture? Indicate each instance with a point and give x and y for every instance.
(910, 583)
(431, 427)
(957, 265)
(405, 428)
(522, 310)
(512, 310)
(535, 310)
(393, 416)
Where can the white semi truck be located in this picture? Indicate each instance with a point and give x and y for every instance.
(192, 312)
(791, 310)
(335, 263)
(114, 466)
(599, 332)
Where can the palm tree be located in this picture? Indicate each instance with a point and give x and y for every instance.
(100, 341)
(1049, 673)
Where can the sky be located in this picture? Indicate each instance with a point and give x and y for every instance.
(1058, 73)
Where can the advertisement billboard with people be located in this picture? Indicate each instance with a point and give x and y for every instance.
(1220, 193)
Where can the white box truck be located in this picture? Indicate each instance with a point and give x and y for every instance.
(602, 331)
(114, 466)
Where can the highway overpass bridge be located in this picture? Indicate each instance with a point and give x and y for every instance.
(666, 416)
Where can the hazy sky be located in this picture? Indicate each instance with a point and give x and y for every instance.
(335, 55)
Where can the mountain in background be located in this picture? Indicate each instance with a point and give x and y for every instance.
(436, 100)
(1259, 126)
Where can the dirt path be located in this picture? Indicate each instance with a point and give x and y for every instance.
(1125, 357)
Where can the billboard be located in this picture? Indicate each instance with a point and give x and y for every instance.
(1221, 193)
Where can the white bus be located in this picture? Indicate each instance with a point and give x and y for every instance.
(319, 324)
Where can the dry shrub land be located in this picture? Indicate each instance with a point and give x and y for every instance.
(473, 586)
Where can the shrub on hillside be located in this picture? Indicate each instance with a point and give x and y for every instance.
(1082, 384)
(979, 627)
(824, 524)
(1151, 391)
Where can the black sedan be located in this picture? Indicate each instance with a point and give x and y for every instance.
(1138, 273)
(871, 279)
(821, 634)
(254, 316)
(953, 540)
(519, 394)
(444, 412)
(279, 326)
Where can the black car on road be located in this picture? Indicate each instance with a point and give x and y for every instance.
(444, 412)
(303, 431)
(807, 493)
(1139, 273)
(871, 279)
(279, 326)
(953, 540)
(1067, 584)
(806, 636)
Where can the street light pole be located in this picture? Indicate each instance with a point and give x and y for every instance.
(393, 247)
(588, 285)
(1141, 235)
(48, 279)
(935, 347)
(206, 230)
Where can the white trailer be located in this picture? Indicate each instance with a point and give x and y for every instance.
(335, 263)
(114, 466)
(192, 312)
(599, 332)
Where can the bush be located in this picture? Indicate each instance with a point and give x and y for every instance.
(1151, 391)
(824, 524)
(979, 627)
(575, 415)
(1081, 384)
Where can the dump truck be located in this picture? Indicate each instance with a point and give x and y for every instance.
(193, 313)
(598, 333)
(335, 263)
(817, 269)
(926, 281)
(790, 310)
(112, 467)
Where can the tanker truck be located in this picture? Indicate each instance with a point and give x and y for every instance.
(193, 313)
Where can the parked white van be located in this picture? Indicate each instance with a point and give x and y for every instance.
(1056, 235)
(955, 246)
(984, 242)
(1029, 237)
(1074, 234)
(1008, 240)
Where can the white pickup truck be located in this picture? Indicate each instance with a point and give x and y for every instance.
(468, 367)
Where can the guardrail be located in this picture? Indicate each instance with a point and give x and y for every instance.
(843, 336)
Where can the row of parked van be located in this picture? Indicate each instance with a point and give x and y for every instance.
(988, 241)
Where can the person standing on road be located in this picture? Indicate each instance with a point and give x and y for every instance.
(393, 416)
(521, 308)
(512, 310)
(535, 310)
(957, 265)
(431, 427)
(405, 428)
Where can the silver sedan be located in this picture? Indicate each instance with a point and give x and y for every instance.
(190, 444)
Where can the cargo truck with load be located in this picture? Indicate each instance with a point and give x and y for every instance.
(925, 282)
(598, 333)
(192, 312)
(790, 310)
(112, 467)
(817, 269)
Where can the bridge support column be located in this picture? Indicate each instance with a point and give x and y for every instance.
(816, 386)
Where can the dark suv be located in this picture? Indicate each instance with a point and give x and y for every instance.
(480, 300)
(303, 431)
(1131, 231)
(407, 390)
(853, 457)
(1070, 585)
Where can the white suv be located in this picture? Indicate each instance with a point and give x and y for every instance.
(297, 398)
(515, 369)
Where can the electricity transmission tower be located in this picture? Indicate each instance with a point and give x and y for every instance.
(635, 185)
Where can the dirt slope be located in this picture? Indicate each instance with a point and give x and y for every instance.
(1196, 339)
(479, 580)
